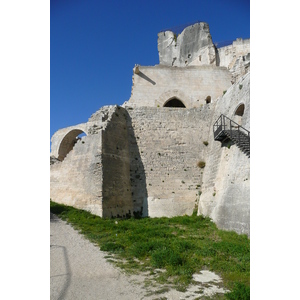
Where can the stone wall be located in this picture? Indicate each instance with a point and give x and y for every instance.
(170, 144)
(235, 57)
(117, 201)
(77, 180)
(154, 86)
(94, 175)
(227, 55)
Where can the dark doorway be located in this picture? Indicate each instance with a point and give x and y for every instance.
(174, 103)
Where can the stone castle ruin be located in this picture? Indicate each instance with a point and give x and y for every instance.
(166, 151)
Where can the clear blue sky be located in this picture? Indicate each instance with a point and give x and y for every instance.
(95, 44)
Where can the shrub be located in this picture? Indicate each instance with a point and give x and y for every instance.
(205, 143)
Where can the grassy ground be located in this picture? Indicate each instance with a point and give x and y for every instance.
(181, 246)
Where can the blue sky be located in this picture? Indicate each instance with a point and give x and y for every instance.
(94, 46)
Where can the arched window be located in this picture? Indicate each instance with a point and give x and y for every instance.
(174, 103)
(68, 142)
(240, 110)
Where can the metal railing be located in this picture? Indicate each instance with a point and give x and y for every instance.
(223, 123)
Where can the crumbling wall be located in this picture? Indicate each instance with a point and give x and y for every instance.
(77, 180)
(94, 175)
(235, 57)
(193, 45)
(228, 54)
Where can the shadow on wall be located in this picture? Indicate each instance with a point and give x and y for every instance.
(141, 74)
(137, 175)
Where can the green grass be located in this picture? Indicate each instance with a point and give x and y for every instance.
(181, 246)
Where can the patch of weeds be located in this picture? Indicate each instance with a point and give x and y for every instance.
(240, 86)
(195, 210)
(175, 37)
(224, 92)
(201, 164)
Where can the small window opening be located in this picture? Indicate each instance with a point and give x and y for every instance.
(174, 103)
(208, 99)
(240, 110)
(69, 141)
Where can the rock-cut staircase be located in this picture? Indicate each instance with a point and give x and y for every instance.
(225, 128)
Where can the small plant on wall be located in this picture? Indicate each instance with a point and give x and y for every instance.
(201, 164)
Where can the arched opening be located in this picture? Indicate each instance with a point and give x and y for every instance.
(240, 110)
(68, 142)
(174, 103)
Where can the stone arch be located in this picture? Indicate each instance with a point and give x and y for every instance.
(174, 102)
(68, 141)
(172, 94)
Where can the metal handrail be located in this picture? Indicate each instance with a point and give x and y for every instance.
(221, 125)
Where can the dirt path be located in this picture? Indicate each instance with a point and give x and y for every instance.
(78, 270)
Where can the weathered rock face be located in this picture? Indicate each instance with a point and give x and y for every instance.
(194, 44)
(194, 47)
(226, 181)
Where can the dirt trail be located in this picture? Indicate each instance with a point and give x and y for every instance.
(78, 270)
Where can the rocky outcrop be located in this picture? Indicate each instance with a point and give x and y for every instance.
(193, 46)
